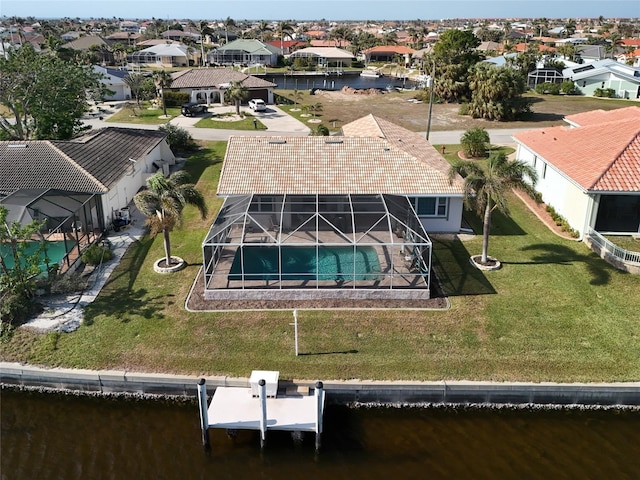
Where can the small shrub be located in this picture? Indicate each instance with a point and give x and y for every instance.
(321, 131)
(568, 88)
(548, 88)
(96, 254)
(175, 99)
(179, 139)
(474, 142)
(464, 109)
(604, 92)
(68, 283)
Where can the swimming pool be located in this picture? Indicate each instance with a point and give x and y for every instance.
(306, 263)
(55, 251)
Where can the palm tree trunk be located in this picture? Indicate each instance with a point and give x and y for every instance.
(237, 107)
(164, 104)
(486, 226)
(167, 246)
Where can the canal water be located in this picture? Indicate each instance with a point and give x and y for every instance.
(335, 82)
(51, 436)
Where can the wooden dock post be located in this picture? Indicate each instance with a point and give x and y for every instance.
(204, 416)
(319, 393)
(262, 392)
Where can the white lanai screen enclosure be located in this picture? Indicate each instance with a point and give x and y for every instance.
(316, 246)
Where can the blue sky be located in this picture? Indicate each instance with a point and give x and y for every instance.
(318, 9)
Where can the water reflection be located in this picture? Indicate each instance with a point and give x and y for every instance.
(52, 437)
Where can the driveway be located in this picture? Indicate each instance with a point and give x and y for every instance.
(278, 123)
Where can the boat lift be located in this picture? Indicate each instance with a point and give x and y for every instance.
(261, 408)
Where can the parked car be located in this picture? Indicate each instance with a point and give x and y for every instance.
(257, 105)
(192, 108)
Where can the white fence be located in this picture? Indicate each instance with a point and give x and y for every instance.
(625, 256)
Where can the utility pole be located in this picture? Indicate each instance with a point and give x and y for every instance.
(431, 85)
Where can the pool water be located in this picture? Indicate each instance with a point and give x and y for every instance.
(306, 263)
(55, 251)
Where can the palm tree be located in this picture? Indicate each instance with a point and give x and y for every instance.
(284, 28)
(135, 82)
(203, 28)
(485, 189)
(228, 23)
(163, 202)
(163, 80)
(262, 28)
(236, 93)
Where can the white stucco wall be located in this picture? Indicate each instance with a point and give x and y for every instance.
(449, 224)
(134, 178)
(566, 197)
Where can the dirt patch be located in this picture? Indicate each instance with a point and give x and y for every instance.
(401, 108)
(197, 302)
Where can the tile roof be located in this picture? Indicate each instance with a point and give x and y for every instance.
(399, 49)
(105, 153)
(92, 163)
(215, 77)
(594, 117)
(364, 161)
(597, 156)
(37, 164)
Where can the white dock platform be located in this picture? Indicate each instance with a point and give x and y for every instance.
(237, 409)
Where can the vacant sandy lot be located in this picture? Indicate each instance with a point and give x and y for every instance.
(401, 108)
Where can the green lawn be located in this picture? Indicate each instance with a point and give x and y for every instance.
(554, 312)
(143, 114)
(245, 124)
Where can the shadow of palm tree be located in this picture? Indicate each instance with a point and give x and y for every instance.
(455, 273)
(551, 253)
(121, 303)
(199, 161)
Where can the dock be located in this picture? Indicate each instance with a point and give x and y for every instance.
(262, 408)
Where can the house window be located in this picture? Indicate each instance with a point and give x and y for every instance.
(544, 170)
(431, 206)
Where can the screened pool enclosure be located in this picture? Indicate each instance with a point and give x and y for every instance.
(316, 246)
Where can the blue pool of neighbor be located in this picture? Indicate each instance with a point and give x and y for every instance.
(306, 263)
(55, 251)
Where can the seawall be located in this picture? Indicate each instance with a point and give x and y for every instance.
(338, 392)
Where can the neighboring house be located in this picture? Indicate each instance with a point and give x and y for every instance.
(388, 53)
(589, 53)
(127, 38)
(589, 171)
(69, 36)
(179, 35)
(288, 46)
(244, 52)
(330, 217)
(162, 55)
(601, 74)
(208, 85)
(79, 186)
(113, 79)
(325, 57)
(85, 43)
(113, 163)
(129, 26)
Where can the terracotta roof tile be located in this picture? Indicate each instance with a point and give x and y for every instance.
(599, 157)
(601, 116)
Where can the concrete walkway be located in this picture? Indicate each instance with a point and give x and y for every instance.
(64, 313)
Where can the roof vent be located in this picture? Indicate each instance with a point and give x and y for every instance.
(17, 145)
(277, 142)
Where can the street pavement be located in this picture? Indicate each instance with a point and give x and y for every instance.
(279, 123)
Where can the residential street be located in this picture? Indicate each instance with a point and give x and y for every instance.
(279, 123)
